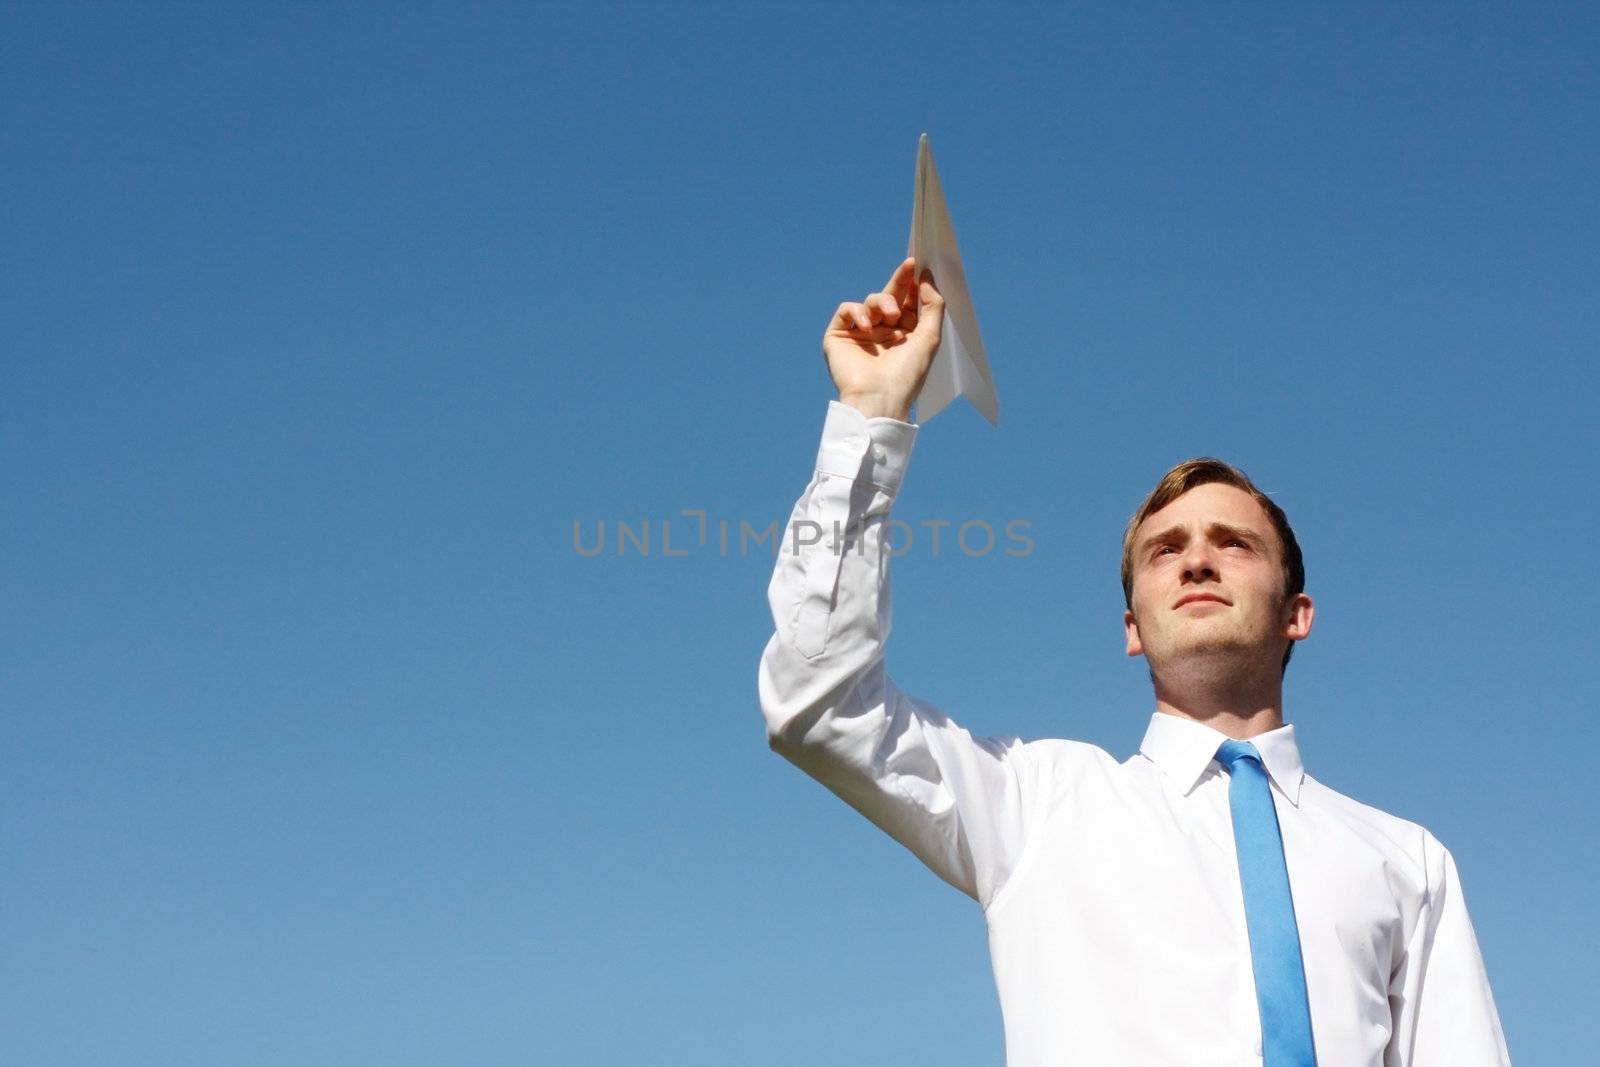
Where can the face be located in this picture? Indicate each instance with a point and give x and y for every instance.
(1208, 578)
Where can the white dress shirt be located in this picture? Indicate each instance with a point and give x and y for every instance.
(1111, 890)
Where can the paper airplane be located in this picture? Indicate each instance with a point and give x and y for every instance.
(960, 367)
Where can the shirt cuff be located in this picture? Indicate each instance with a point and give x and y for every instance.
(856, 447)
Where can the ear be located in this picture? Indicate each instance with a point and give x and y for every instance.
(1135, 646)
(1298, 616)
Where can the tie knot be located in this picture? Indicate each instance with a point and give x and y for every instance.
(1231, 752)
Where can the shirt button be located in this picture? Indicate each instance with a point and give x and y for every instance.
(1258, 1048)
(877, 454)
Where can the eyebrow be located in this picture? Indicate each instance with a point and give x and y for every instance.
(1215, 529)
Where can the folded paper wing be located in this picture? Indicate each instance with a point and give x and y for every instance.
(960, 367)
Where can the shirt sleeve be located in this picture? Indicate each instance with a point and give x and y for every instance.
(1442, 1008)
(952, 799)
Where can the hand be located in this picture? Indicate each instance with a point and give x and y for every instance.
(879, 350)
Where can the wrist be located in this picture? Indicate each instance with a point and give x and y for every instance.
(875, 406)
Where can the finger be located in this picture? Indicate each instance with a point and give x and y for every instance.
(874, 309)
(887, 306)
(900, 283)
(851, 316)
(875, 334)
(880, 334)
(929, 299)
(930, 308)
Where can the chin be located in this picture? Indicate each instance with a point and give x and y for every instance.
(1211, 647)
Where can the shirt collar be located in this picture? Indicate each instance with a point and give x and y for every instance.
(1185, 749)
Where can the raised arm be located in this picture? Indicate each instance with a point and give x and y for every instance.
(830, 707)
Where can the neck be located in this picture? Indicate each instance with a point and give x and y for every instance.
(1234, 700)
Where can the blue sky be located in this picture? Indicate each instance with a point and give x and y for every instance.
(322, 327)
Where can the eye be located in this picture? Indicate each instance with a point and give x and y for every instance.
(1164, 549)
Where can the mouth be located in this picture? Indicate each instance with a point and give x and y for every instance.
(1199, 598)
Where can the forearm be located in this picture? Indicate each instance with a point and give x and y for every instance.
(830, 706)
(829, 589)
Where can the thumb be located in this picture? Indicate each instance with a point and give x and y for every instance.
(930, 309)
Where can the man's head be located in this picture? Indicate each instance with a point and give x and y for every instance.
(1210, 564)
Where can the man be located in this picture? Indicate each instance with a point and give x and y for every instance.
(1205, 902)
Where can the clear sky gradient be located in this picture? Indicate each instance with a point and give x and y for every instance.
(321, 326)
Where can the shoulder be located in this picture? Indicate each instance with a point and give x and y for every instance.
(1064, 763)
(1366, 815)
(1400, 840)
(1377, 822)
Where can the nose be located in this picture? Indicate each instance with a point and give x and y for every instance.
(1199, 565)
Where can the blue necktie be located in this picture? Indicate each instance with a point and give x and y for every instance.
(1268, 911)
